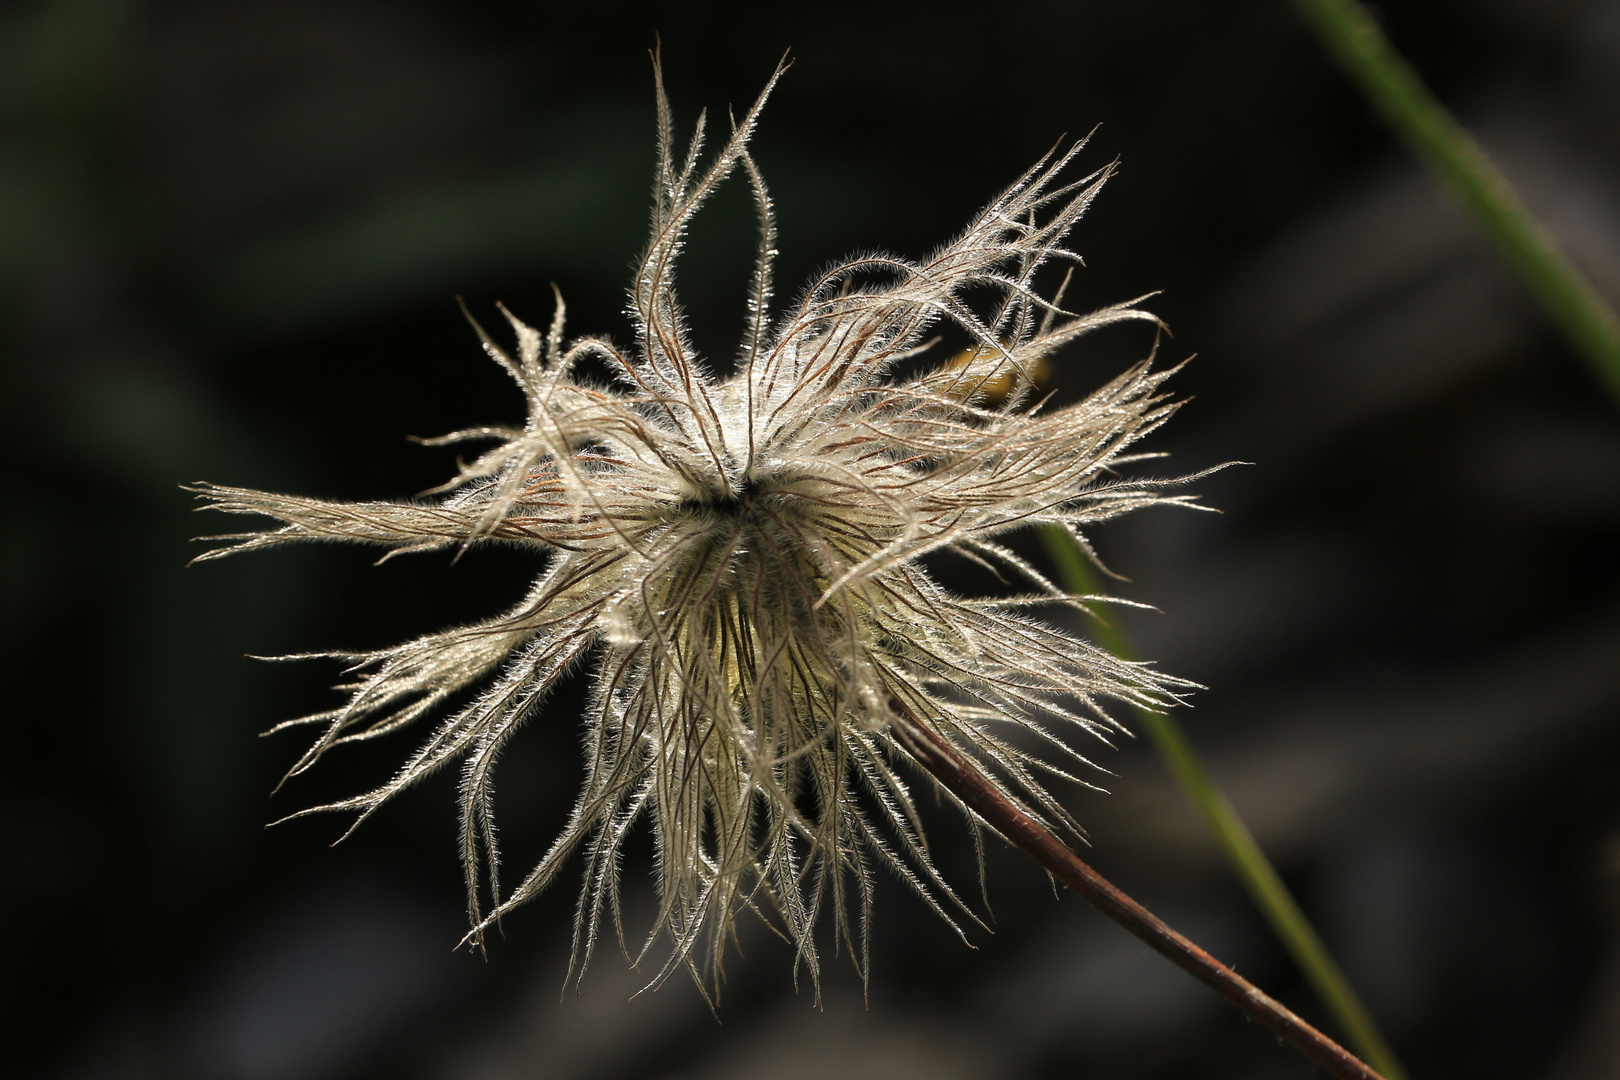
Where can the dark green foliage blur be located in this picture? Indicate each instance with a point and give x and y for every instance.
(231, 239)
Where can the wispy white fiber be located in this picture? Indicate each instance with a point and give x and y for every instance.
(735, 561)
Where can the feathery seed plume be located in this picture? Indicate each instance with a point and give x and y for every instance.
(738, 562)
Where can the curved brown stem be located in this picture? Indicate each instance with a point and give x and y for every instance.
(1022, 831)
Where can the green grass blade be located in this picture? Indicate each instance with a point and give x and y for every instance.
(1237, 843)
(1447, 148)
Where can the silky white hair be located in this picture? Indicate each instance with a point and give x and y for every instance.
(738, 562)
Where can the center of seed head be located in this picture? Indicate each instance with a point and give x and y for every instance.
(729, 501)
(735, 501)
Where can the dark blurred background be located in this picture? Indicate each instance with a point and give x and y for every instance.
(231, 235)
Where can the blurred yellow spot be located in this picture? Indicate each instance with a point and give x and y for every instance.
(1005, 378)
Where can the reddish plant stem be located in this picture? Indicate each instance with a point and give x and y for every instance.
(1024, 832)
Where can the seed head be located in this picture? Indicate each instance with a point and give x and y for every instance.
(738, 562)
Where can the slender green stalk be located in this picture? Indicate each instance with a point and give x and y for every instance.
(1447, 148)
(1266, 888)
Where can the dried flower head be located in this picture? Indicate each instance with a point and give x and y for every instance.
(739, 561)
